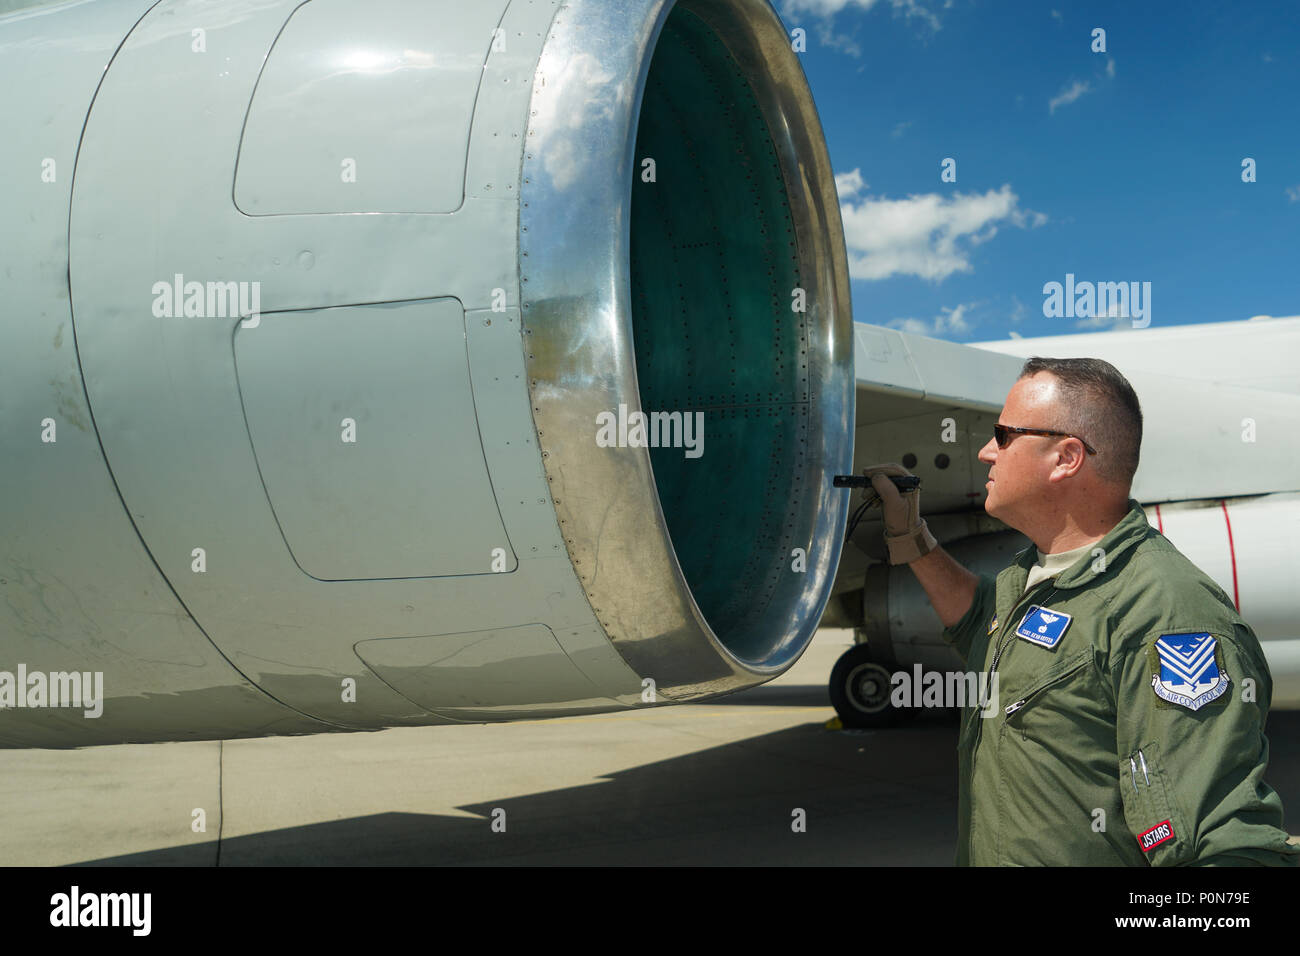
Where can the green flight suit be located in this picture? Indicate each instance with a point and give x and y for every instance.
(1092, 766)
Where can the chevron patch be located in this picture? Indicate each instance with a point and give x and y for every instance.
(1189, 672)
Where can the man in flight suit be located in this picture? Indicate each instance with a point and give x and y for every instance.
(1129, 726)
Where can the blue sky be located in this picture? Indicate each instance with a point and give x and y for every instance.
(1122, 166)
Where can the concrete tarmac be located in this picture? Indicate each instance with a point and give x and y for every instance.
(713, 783)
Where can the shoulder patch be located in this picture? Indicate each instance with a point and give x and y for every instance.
(1043, 626)
(1187, 669)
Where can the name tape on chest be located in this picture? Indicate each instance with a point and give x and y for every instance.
(1043, 626)
(1189, 672)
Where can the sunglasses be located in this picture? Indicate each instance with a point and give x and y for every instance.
(1004, 434)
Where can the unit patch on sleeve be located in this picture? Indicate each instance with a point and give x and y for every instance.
(1157, 835)
(1189, 673)
(1043, 626)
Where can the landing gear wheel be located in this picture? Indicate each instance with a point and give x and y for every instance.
(860, 688)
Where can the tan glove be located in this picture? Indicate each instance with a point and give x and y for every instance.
(907, 535)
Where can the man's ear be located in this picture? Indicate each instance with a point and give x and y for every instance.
(1067, 463)
(1072, 454)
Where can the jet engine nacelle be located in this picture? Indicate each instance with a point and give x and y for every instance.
(400, 362)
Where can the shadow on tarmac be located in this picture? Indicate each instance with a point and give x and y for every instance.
(883, 797)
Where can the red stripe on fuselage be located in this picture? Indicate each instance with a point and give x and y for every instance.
(1232, 553)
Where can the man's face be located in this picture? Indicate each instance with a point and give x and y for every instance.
(1018, 474)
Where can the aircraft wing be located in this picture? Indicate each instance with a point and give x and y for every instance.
(1209, 431)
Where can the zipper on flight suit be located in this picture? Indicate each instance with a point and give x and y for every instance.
(993, 667)
(1067, 669)
(1011, 634)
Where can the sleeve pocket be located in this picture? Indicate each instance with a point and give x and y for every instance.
(1160, 830)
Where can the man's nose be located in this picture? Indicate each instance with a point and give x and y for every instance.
(989, 453)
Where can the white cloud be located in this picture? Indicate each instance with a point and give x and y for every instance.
(1068, 95)
(949, 321)
(928, 236)
(849, 184)
(1104, 322)
(1293, 193)
(844, 42)
(826, 10)
(1078, 88)
(913, 8)
(900, 129)
(1056, 15)
(1112, 321)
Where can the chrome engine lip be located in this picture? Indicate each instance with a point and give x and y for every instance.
(575, 297)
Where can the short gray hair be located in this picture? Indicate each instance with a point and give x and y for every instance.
(1099, 406)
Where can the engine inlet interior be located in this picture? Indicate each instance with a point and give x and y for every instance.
(715, 266)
